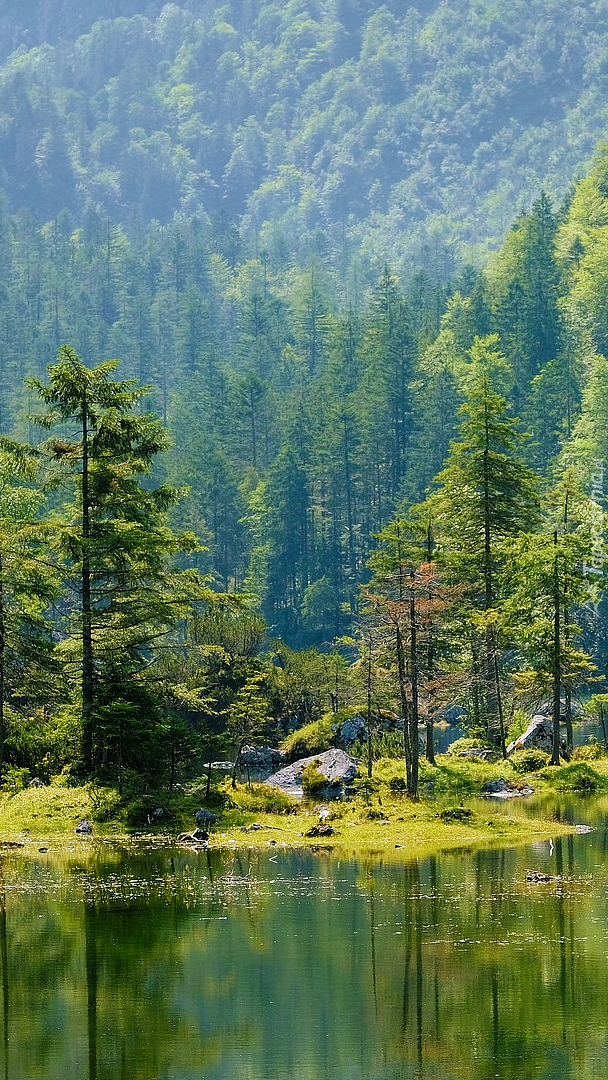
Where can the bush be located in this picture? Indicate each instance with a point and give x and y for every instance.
(14, 779)
(366, 786)
(398, 785)
(311, 739)
(531, 760)
(265, 799)
(578, 777)
(467, 744)
(456, 813)
(591, 751)
(313, 781)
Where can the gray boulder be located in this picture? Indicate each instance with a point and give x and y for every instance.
(478, 753)
(504, 789)
(338, 767)
(538, 736)
(261, 758)
(353, 729)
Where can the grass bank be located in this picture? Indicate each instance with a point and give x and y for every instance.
(378, 818)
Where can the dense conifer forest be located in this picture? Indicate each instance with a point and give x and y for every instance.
(351, 260)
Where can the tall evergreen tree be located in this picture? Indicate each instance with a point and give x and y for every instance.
(485, 493)
(27, 586)
(112, 535)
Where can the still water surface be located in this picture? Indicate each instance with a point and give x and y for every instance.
(160, 963)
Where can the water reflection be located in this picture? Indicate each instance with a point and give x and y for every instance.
(164, 964)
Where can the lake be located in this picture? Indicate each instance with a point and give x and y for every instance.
(156, 963)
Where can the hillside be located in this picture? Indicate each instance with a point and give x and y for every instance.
(342, 129)
(261, 210)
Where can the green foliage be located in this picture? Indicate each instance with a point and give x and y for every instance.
(519, 723)
(528, 761)
(235, 232)
(310, 739)
(579, 777)
(590, 751)
(263, 799)
(456, 813)
(111, 537)
(466, 743)
(149, 111)
(398, 785)
(367, 787)
(313, 780)
(15, 779)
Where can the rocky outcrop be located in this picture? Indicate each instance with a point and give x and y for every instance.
(199, 836)
(538, 736)
(477, 753)
(261, 758)
(505, 789)
(338, 767)
(353, 729)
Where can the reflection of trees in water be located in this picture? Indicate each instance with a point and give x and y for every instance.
(308, 967)
(4, 959)
(99, 980)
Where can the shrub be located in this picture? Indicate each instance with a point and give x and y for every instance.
(398, 785)
(388, 744)
(467, 744)
(313, 781)
(311, 739)
(14, 779)
(456, 813)
(591, 751)
(530, 760)
(578, 777)
(265, 799)
(366, 786)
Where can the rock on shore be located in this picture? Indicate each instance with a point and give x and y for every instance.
(338, 767)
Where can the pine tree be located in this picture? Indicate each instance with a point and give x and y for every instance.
(485, 493)
(545, 572)
(27, 586)
(111, 536)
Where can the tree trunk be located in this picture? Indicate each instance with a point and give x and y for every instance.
(501, 722)
(568, 689)
(405, 707)
(87, 636)
(413, 787)
(430, 743)
(370, 751)
(2, 668)
(557, 660)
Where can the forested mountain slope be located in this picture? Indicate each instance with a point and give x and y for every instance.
(228, 199)
(346, 128)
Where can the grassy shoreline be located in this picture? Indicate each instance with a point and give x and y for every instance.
(447, 816)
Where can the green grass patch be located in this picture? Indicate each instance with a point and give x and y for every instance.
(580, 777)
(311, 739)
(379, 817)
(46, 811)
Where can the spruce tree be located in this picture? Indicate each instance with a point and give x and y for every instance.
(27, 586)
(111, 535)
(484, 494)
